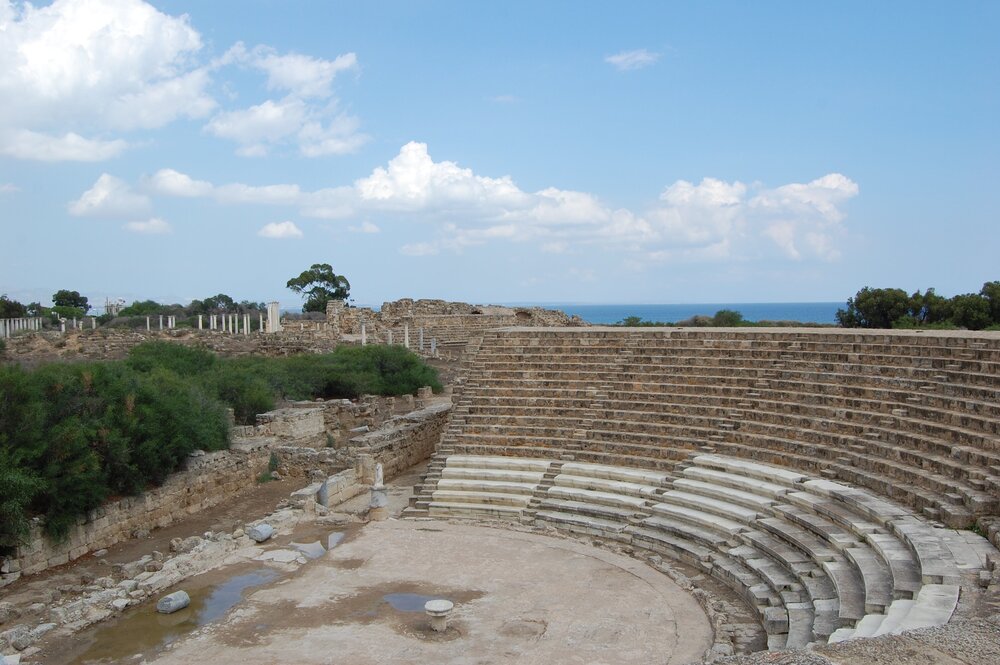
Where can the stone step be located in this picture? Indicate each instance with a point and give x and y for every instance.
(743, 467)
(604, 485)
(723, 493)
(894, 616)
(607, 472)
(933, 606)
(486, 498)
(739, 482)
(505, 463)
(447, 509)
(621, 515)
(725, 509)
(479, 485)
(603, 498)
(698, 518)
(578, 522)
(496, 475)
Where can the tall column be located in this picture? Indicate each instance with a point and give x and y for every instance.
(260, 324)
(273, 317)
(147, 324)
(93, 323)
(199, 322)
(161, 322)
(390, 337)
(421, 345)
(406, 335)
(364, 334)
(246, 324)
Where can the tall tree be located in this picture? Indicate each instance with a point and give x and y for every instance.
(319, 285)
(874, 308)
(65, 298)
(11, 309)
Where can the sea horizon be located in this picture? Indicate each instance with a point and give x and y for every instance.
(607, 313)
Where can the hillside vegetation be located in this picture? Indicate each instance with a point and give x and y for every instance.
(74, 435)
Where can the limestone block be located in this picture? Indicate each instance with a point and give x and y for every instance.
(170, 603)
(260, 532)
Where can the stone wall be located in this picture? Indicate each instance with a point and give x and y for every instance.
(402, 442)
(208, 479)
(300, 436)
(115, 343)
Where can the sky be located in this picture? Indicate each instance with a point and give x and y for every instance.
(627, 152)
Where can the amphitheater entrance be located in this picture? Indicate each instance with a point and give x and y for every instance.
(519, 598)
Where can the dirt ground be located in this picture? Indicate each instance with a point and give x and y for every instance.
(520, 598)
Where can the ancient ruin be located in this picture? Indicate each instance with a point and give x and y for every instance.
(723, 494)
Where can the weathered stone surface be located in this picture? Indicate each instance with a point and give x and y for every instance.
(170, 603)
(260, 532)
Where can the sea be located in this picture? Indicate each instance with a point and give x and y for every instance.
(804, 312)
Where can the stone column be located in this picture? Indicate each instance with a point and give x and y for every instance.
(273, 317)
(378, 507)
(421, 342)
(434, 347)
(200, 327)
(246, 324)
(62, 325)
(161, 322)
(93, 323)
(390, 338)
(406, 335)
(260, 324)
(147, 324)
(364, 334)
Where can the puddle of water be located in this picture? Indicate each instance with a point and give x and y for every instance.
(409, 602)
(334, 539)
(145, 629)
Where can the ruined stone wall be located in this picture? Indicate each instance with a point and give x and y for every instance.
(208, 479)
(115, 343)
(402, 442)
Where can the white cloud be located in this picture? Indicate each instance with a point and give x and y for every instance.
(710, 220)
(307, 117)
(505, 99)
(70, 147)
(153, 226)
(637, 59)
(365, 227)
(110, 197)
(280, 230)
(81, 67)
(9, 188)
(301, 74)
(169, 182)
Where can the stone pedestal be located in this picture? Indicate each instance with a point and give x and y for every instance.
(378, 507)
(438, 611)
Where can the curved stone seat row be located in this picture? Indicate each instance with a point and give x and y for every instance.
(817, 560)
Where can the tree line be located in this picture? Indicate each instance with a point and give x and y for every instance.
(895, 308)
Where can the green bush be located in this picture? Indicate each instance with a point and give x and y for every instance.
(74, 435)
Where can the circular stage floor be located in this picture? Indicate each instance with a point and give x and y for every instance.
(519, 598)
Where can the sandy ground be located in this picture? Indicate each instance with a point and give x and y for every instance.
(520, 598)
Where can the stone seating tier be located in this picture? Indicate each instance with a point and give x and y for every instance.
(815, 559)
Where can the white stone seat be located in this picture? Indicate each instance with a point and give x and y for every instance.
(581, 522)
(505, 475)
(730, 511)
(743, 483)
(699, 518)
(591, 496)
(451, 509)
(894, 616)
(933, 606)
(605, 485)
(598, 510)
(904, 567)
(508, 463)
(937, 565)
(489, 498)
(742, 467)
(723, 493)
(608, 472)
(478, 485)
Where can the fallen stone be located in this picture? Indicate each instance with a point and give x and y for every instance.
(100, 553)
(157, 556)
(13, 659)
(119, 604)
(153, 566)
(239, 533)
(260, 532)
(41, 629)
(170, 603)
(8, 611)
(281, 556)
(36, 608)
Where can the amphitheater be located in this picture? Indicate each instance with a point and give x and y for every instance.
(771, 495)
(833, 479)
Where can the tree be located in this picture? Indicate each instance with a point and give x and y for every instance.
(971, 311)
(874, 308)
(727, 318)
(991, 291)
(64, 298)
(929, 307)
(11, 309)
(319, 285)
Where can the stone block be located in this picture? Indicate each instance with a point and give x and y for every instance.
(260, 532)
(173, 602)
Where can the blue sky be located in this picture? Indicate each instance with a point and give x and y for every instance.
(499, 152)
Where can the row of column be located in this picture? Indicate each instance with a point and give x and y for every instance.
(406, 338)
(10, 326)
